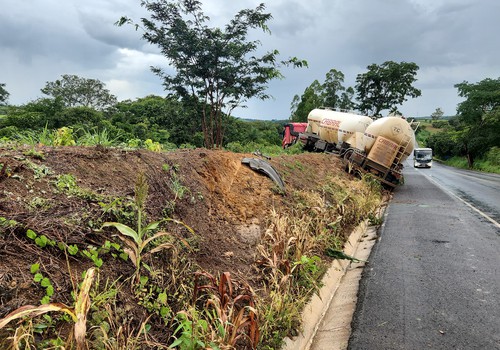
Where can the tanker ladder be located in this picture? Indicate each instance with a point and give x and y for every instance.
(402, 147)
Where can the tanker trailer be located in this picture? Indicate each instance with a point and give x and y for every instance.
(381, 150)
(328, 129)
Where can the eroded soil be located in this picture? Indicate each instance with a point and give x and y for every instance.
(225, 202)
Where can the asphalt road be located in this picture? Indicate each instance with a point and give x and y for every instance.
(433, 278)
(482, 190)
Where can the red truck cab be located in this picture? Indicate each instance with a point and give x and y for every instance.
(291, 133)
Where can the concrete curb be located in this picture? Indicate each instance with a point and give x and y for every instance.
(315, 311)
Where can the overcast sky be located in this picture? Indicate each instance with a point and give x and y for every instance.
(450, 40)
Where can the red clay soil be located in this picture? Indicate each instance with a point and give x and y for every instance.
(224, 201)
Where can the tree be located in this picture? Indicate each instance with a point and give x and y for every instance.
(437, 114)
(215, 67)
(330, 94)
(333, 88)
(4, 95)
(75, 91)
(444, 144)
(478, 117)
(44, 112)
(310, 99)
(386, 86)
(157, 114)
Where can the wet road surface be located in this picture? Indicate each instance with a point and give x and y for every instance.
(433, 278)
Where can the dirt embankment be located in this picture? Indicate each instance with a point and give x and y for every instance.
(67, 193)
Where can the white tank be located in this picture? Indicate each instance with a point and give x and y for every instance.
(334, 126)
(395, 129)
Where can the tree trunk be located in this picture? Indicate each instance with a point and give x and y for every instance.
(470, 160)
(207, 127)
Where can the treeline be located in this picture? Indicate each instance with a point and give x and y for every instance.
(91, 115)
(166, 121)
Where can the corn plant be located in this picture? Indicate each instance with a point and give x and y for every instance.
(143, 236)
(78, 312)
(46, 137)
(140, 240)
(232, 317)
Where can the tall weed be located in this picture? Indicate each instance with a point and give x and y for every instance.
(95, 137)
(292, 253)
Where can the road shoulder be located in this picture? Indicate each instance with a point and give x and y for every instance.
(327, 318)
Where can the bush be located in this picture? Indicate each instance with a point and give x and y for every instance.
(8, 132)
(235, 147)
(25, 120)
(422, 137)
(490, 162)
(187, 146)
(493, 156)
(295, 149)
(77, 115)
(443, 144)
(439, 124)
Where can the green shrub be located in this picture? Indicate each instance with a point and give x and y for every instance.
(64, 137)
(9, 131)
(493, 156)
(439, 124)
(235, 147)
(295, 149)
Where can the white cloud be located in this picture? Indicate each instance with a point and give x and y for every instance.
(135, 77)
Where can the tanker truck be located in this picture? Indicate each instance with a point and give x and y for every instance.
(328, 129)
(376, 147)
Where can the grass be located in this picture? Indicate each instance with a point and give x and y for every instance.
(479, 165)
(265, 150)
(292, 255)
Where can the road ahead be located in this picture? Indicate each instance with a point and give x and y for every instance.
(481, 190)
(433, 280)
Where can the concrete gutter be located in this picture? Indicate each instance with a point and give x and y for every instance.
(326, 320)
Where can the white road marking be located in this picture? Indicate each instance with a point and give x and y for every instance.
(462, 200)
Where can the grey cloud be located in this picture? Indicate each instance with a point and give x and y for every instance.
(451, 41)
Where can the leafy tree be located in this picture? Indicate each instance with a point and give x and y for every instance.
(330, 94)
(437, 114)
(310, 99)
(443, 144)
(255, 131)
(4, 95)
(478, 117)
(75, 91)
(35, 114)
(333, 88)
(84, 117)
(346, 99)
(293, 108)
(158, 118)
(386, 86)
(215, 67)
